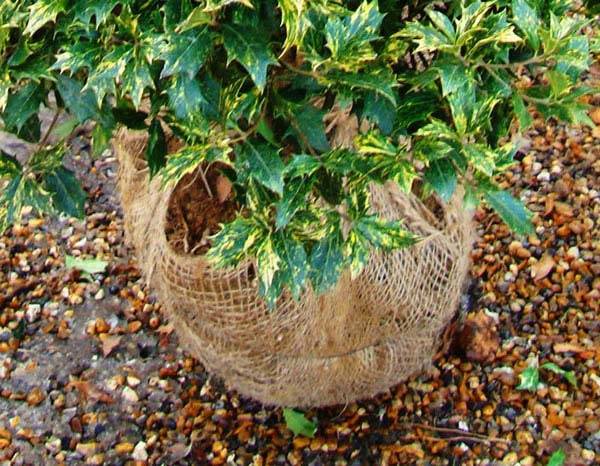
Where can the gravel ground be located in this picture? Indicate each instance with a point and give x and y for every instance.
(90, 373)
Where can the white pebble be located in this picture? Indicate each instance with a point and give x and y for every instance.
(139, 452)
(33, 312)
(573, 252)
(544, 176)
(130, 395)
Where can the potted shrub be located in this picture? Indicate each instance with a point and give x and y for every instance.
(298, 177)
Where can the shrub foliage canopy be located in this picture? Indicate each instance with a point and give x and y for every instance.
(267, 86)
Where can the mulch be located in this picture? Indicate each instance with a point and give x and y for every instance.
(90, 373)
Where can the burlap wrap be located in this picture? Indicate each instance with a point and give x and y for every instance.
(353, 342)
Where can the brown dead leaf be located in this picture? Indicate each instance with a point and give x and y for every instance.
(109, 343)
(568, 348)
(478, 338)
(341, 126)
(224, 187)
(90, 392)
(542, 268)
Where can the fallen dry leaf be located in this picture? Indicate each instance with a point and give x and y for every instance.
(90, 392)
(224, 187)
(568, 348)
(542, 268)
(109, 343)
(478, 338)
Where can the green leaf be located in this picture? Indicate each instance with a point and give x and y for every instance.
(302, 165)
(198, 17)
(294, 264)
(415, 107)
(267, 263)
(156, 152)
(99, 9)
(348, 39)
(81, 104)
(22, 105)
(294, 198)
(379, 81)
(90, 266)
(327, 260)
(264, 165)
(296, 19)
(380, 111)
(307, 124)
(527, 20)
(298, 423)
(442, 177)
(185, 96)
(251, 49)
(75, 57)
(9, 167)
(234, 242)
(136, 78)
(190, 157)
(383, 234)
(557, 458)
(42, 12)
(374, 143)
(481, 157)
(427, 38)
(454, 76)
(443, 23)
(568, 375)
(66, 192)
(560, 83)
(102, 78)
(523, 116)
(186, 53)
(511, 210)
(530, 379)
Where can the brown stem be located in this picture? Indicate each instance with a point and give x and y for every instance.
(49, 130)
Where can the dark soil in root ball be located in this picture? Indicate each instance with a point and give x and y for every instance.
(194, 214)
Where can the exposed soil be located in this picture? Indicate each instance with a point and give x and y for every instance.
(195, 214)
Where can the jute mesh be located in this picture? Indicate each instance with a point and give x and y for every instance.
(353, 342)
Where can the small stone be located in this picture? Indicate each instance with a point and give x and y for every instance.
(32, 313)
(96, 460)
(544, 176)
(86, 449)
(133, 381)
(573, 252)
(510, 458)
(139, 452)
(588, 455)
(53, 445)
(124, 448)
(130, 395)
(35, 397)
(101, 326)
(5, 434)
(134, 326)
(591, 426)
(99, 295)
